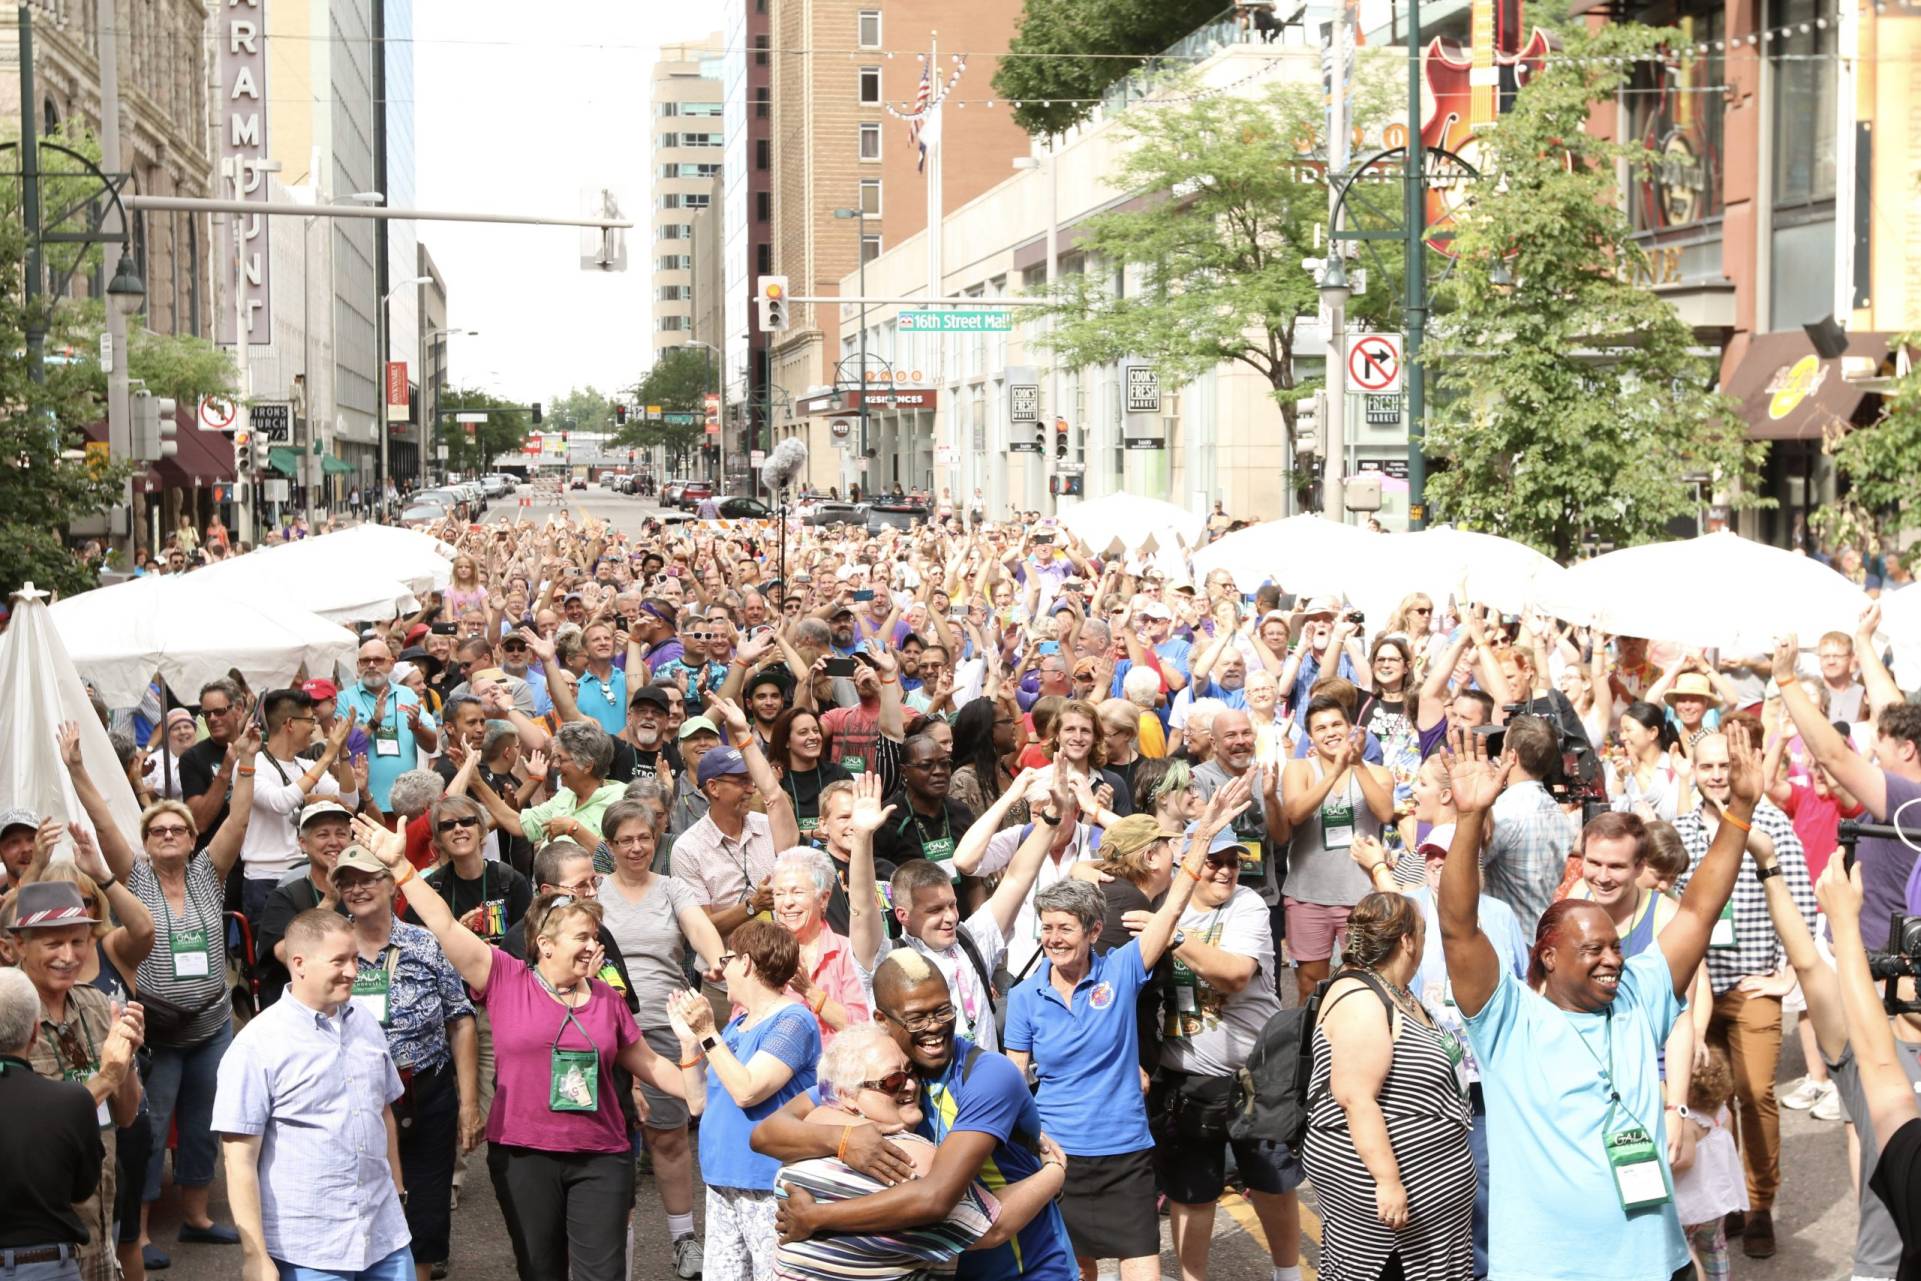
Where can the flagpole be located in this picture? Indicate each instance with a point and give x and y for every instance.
(931, 131)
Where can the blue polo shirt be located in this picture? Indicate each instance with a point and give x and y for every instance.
(604, 701)
(993, 1099)
(392, 751)
(1087, 1058)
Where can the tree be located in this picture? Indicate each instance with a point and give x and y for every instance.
(1881, 460)
(679, 383)
(472, 447)
(1569, 404)
(582, 409)
(1067, 52)
(1220, 269)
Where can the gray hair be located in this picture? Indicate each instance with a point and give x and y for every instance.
(458, 807)
(591, 747)
(549, 859)
(627, 810)
(811, 861)
(1141, 686)
(415, 791)
(847, 1062)
(1094, 630)
(222, 685)
(19, 1011)
(496, 731)
(1077, 898)
(811, 631)
(647, 790)
(1202, 711)
(123, 745)
(454, 704)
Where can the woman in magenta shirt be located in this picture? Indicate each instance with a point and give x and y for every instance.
(557, 1145)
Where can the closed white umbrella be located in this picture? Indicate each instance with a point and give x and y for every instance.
(1718, 590)
(1130, 523)
(1306, 555)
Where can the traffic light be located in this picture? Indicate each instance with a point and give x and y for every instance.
(536, 413)
(261, 453)
(242, 451)
(167, 428)
(1308, 416)
(620, 415)
(143, 423)
(1060, 438)
(772, 296)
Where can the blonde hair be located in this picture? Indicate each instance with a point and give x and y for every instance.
(549, 912)
(88, 890)
(155, 810)
(1711, 1084)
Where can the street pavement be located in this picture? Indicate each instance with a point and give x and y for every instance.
(1814, 1217)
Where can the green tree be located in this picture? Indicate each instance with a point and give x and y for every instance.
(1569, 404)
(1221, 279)
(582, 409)
(472, 447)
(679, 382)
(1881, 460)
(1067, 52)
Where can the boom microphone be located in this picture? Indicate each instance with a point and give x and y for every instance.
(784, 464)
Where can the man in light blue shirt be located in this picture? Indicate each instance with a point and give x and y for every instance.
(304, 1111)
(398, 728)
(1569, 1058)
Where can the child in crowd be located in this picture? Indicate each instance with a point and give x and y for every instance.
(1710, 1186)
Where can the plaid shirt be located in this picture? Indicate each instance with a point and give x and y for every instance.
(1757, 949)
(1527, 855)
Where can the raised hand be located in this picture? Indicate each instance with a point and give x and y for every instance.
(731, 715)
(1784, 652)
(869, 814)
(87, 856)
(388, 846)
(69, 738)
(1745, 774)
(1475, 781)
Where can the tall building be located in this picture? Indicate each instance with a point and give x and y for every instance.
(430, 367)
(686, 155)
(747, 249)
(397, 255)
(848, 182)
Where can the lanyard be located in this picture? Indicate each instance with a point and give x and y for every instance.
(920, 828)
(1607, 1070)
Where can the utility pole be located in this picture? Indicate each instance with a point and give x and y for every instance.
(30, 199)
(119, 428)
(1334, 290)
(244, 474)
(1415, 219)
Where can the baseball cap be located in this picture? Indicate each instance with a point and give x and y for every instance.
(322, 808)
(415, 632)
(655, 696)
(720, 761)
(50, 905)
(1321, 605)
(18, 817)
(320, 689)
(698, 725)
(1223, 839)
(359, 858)
(1134, 833)
(1154, 609)
(842, 609)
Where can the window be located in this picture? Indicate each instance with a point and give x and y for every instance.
(870, 142)
(870, 28)
(763, 156)
(763, 258)
(673, 293)
(763, 206)
(695, 200)
(1804, 99)
(760, 50)
(672, 324)
(689, 170)
(869, 247)
(673, 262)
(669, 201)
(1675, 111)
(762, 108)
(667, 109)
(870, 86)
(701, 109)
(870, 197)
(673, 231)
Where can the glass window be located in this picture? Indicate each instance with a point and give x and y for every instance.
(870, 142)
(870, 197)
(1804, 100)
(869, 247)
(869, 29)
(870, 86)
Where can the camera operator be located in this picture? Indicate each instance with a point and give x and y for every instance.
(1531, 835)
(1885, 1088)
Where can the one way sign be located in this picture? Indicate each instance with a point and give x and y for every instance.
(1374, 361)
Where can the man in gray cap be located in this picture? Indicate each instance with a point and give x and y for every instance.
(17, 827)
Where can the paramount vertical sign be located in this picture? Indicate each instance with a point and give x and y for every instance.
(243, 146)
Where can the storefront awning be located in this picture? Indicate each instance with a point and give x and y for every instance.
(334, 466)
(284, 460)
(1788, 392)
(203, 457)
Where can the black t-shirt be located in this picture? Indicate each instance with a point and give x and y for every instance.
(804, 787)
(51, 1140)
(631, 763)
(289, 899)
(198, 765)
(502, 892)
(1897, 1181)
(839, 910)
(909, 834)
(1122, 897)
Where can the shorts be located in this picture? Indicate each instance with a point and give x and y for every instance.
(1313, 928)
(1108, 1206)
(1188, 1116)
(664, 1111)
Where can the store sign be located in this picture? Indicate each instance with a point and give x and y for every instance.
(242, 124)
(1143, 389)
(272, 420)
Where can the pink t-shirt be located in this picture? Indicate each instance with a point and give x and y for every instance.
(1817, 821)
(526, 1020)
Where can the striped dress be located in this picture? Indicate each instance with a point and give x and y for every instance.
(1425, 1106)
(919, 1253)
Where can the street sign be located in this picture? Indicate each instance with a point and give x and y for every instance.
(1024, 402)
(841, 428)
(470, 418)
(218, 414)
(1374, 362)
(1025, 447)
(1143, 390)
(756, 457)
(995, 321)
(1383, 410)
(1066, 468)
(946, 455)
(272, 421)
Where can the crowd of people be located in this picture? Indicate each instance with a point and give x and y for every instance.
(951, 899)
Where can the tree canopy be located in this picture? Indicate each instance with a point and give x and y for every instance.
(472, 447)
(1066, 53)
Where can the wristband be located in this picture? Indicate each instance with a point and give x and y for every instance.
(890, 680)
(245, 771)
(109, 883)
(1191, 872)
(745, 743)
(402, 880)
(840, 1151)
(1763, 871)
(819, 999)
(691, 1063)
(1729, 818)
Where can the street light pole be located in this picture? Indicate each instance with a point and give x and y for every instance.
(1415, 220)
(860, 257)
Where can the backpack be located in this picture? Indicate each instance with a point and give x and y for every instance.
(1276, 1097)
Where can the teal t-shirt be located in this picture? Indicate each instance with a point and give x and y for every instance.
(1546, 1112)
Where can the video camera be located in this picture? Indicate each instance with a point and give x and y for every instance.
(1901, 958)
(1577, 777)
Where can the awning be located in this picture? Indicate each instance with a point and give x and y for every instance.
(284, 460)
(335, 466)
(206, 456)
(1788, 392)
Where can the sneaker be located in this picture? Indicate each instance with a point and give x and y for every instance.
(1829, 1108)
(1805, 1093)
(687, 1257)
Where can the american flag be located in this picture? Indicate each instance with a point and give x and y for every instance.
(913, 126)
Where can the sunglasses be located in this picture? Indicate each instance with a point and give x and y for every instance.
(449, 824)
(893, 1083)
(166, 831)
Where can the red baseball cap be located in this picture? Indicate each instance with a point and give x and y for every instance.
(320, 689)
(415, 632)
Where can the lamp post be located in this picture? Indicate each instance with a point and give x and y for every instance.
(1053, 260)
(317, 479)
(860, 251)
(1334, 295)
(430, 378)
(380, 377)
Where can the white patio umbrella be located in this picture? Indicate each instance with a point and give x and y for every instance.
(1497, 572)
(340, 585)
(1130, 523)
(1307, 555)
(1719, 590)
(191, 632)
(1901, 628)
(416, 560)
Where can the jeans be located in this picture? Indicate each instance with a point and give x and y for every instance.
(566, 1212)
(67, 1269)
(180, 1083)
(1477, 1145)
(398, 1266)
(254, 893)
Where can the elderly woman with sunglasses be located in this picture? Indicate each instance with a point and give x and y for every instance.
(557, 1142)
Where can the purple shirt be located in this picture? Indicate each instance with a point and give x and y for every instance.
(1890, 876)
(526, 1021)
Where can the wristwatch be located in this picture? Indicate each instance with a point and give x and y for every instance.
(1180, 937)
(1680, 1110)
(707, 1044)
(1762, 871)
(1052, 820)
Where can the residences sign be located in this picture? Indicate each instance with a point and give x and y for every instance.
(241, 117)
(850, 400)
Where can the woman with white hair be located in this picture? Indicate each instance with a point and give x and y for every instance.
(867, 1079)
(825, 977)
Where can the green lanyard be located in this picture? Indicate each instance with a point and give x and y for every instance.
(939, 849)
(1640, 1175)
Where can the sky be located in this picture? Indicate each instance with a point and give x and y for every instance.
(524, 109)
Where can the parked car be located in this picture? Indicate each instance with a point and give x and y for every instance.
(450, 500)
(692, 493)
(818, 509)
(740, 508)
(422, 513)
(895, 513)
(580, 482)
(670, 493)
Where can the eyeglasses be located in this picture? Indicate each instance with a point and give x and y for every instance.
(449, 824)
(728, 958)
(1224, 858)
(892, 1083)
(167, 831)
(72, 1052)
(931, 1021)
(587, 887)
(1420, 609)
